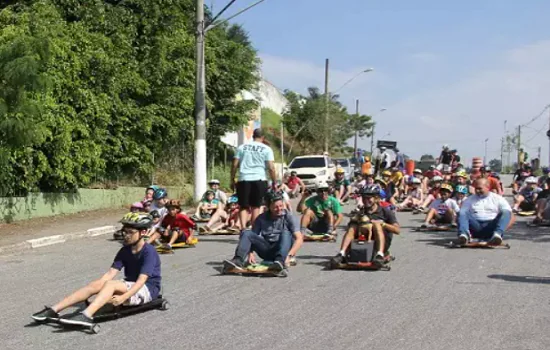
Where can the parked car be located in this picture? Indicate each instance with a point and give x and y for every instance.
(345, 164)
(312, 169)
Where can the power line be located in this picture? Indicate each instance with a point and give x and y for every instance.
(538, 116)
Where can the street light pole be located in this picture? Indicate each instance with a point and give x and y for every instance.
(200, 105)
(485, 156)
(327, 100)
(356, 131)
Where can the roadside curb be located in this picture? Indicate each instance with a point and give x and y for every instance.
(56, 239)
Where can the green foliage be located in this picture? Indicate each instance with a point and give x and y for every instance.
(496, 165)
(99, 89)
(427, 157)
(305, 120)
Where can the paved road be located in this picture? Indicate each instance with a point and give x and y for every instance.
(433, 298)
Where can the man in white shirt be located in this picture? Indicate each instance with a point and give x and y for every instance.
(484, 215)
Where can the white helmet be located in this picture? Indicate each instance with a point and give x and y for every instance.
(322, 185)
(437, 178)
(417, 171)
(531, 180)
(416, 180)
(445, 146)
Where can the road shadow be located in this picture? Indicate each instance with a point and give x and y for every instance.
(524, 279)
(522, 232)
(438, 242)
(228, 240)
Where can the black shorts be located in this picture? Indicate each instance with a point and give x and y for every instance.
(251, 193)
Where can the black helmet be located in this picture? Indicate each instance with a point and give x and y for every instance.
(273, 196)
(137, 220)
(370, 190)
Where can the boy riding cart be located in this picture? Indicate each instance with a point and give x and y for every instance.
(141, 284)
(372, 222)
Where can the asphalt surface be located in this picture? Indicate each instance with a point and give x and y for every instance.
(433, 298)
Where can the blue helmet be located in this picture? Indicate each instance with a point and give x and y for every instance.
(160, 193)
(233, 199)
(461, 189)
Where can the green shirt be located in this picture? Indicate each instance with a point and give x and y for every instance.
(319, 206)
(344, 182)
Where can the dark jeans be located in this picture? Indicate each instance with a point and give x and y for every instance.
(483, 229)
(276, 251)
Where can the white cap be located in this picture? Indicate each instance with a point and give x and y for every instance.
(322, 184)
(214, 182)
(437, 178)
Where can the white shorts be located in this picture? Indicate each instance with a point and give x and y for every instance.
(143, 296)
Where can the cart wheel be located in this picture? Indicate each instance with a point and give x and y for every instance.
(165, 305)
(388, 268)
(95, 328)
(507, 246)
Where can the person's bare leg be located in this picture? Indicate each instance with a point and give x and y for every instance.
(80, 295)
(517, 201)
(104, 296)
(541, 207)
(379, 237)
(255, 213)
(243, 217)
(329, 217)
(214, 219)
(427, 202)
(306, 219)
(348, 238)
(429, 217)
(173, 237)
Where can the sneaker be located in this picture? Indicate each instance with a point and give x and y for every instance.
(44, 315)
(167, 246)
(463, 239)
(337, 260)
(234, 263)
(276, 267)
(78, 320)
(379, 260)
(293, 261)
(496, 239)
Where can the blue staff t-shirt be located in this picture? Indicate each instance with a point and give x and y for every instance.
(252, 157)
(145, 262)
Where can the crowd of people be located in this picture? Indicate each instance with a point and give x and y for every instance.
(261, 212)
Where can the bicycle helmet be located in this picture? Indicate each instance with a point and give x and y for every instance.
(160, 193)
(447, 187)
(137, 205)
(340, 171)
(417, 171)
(273, 196)
(214, 182)
(437, 178)
(322, 185)
(138, 221)
(462, 174)
(174, 203)
(381, 181)
(461, 189)
(207, 193)
(155, 214)
(370, 190)
(386, 173)
(531, 180)
(152, 187)
(233, 199)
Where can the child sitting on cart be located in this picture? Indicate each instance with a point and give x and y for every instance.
(207, 206)
(227, 219)
(141, 282)
(175, 227)
(322, 213)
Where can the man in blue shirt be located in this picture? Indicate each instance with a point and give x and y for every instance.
(274, 236)
(141, 282)
(252, 159)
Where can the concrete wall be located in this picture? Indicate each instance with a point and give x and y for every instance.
(271, 97)
(50, 204)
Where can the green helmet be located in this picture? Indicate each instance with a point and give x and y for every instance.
(137, 220)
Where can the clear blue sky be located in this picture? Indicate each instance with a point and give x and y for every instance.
(447, 71)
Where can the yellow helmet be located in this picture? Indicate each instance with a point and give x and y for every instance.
(367, 158)
(340, 171)
(447, 187)
(386, 173)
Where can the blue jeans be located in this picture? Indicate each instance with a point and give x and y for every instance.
(276, 251)
(483, 229)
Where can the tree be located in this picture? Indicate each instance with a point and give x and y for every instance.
(496, 165)
(361, 126)
(427, 157)
(305, 120)
(98, 89)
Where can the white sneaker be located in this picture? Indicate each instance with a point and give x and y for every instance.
(496, 239)
(463, 239)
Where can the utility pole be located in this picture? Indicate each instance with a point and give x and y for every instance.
(282, 151)
(548, 134)
(372, 140)
(501, 154)
(356, 132)
(518, 146)
(327, 100)
(200, 105)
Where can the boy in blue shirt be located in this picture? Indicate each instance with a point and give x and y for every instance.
(141, 282)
